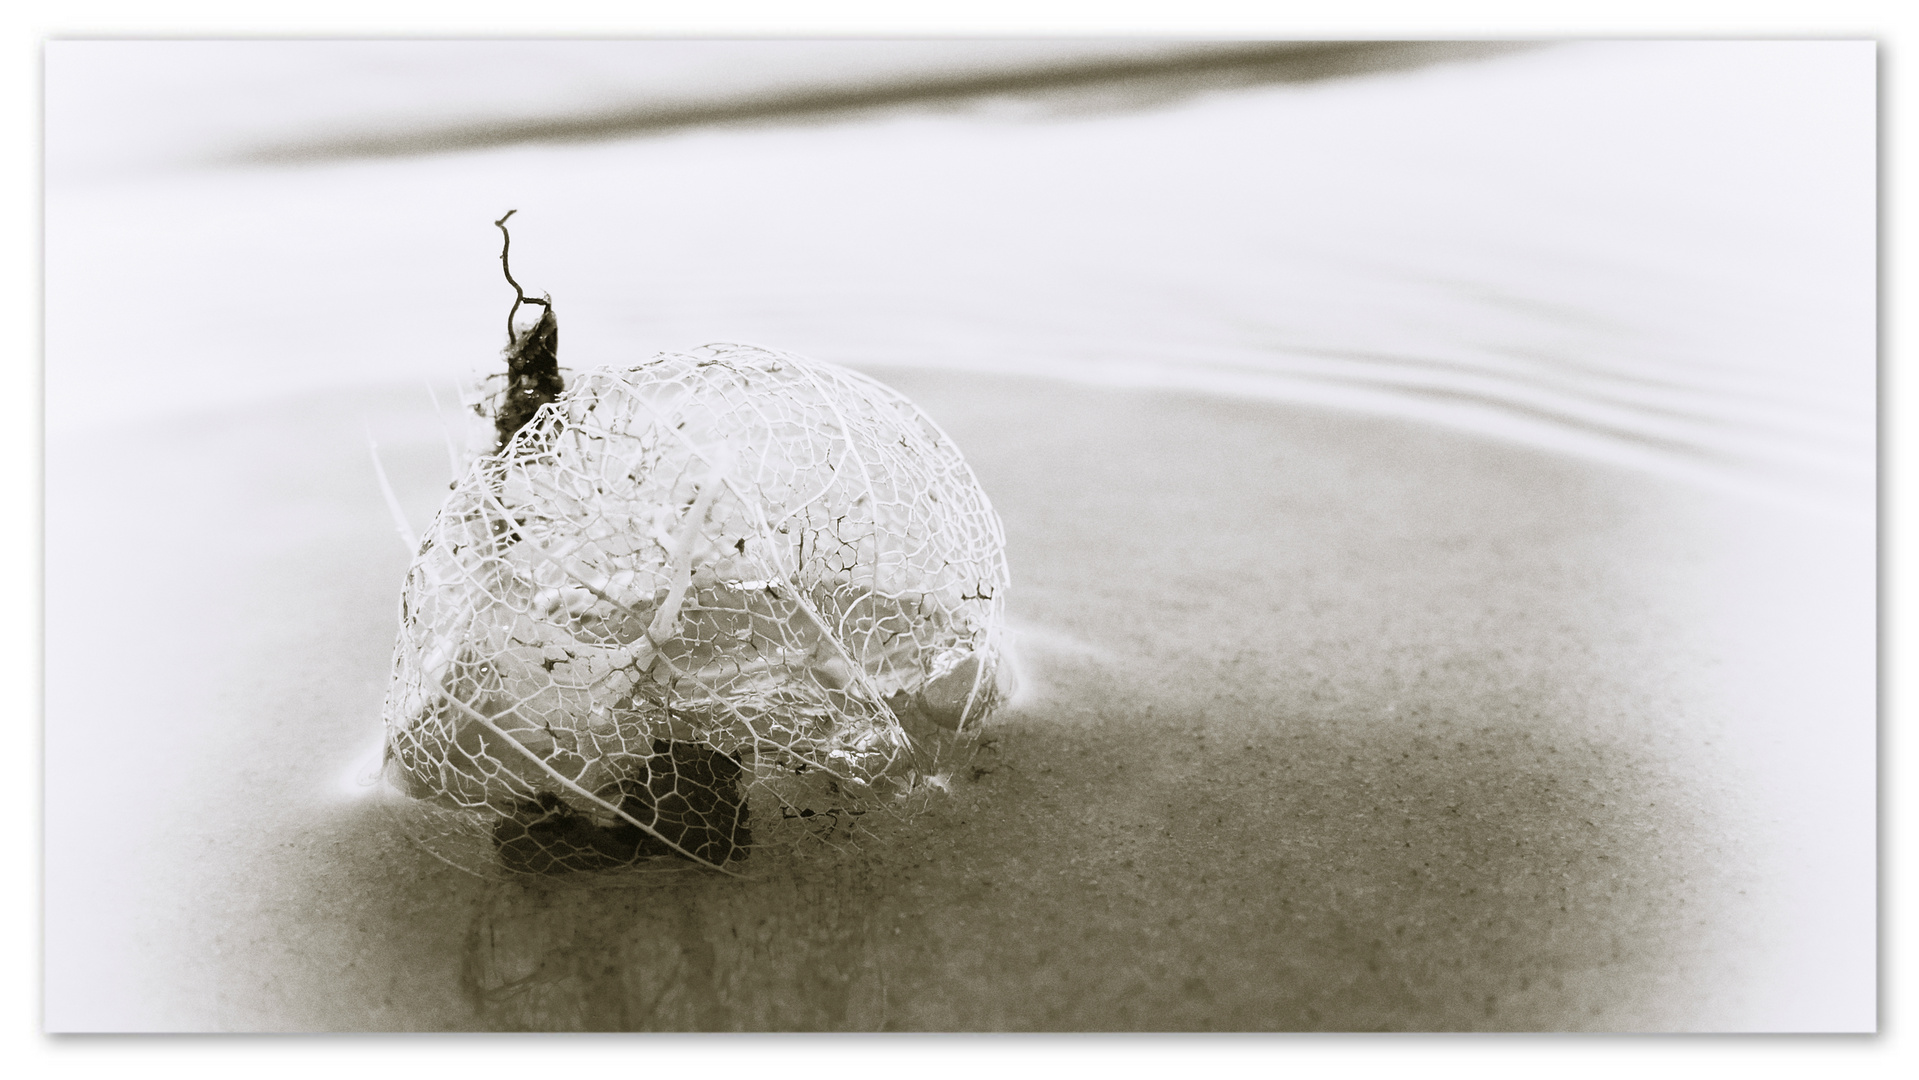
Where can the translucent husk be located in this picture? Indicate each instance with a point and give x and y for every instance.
(722, 601)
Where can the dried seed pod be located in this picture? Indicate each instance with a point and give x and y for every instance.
(724, 599)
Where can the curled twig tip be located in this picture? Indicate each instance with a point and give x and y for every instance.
(519, 294)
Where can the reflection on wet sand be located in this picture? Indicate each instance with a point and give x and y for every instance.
(1106, 893)
(1375, 726)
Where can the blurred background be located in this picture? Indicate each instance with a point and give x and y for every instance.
(1658, 254)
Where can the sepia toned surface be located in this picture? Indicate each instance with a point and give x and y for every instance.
(1329, 723)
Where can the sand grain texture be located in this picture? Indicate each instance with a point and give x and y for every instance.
(1330, 723)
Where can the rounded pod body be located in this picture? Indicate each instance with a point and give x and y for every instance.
(723, 591)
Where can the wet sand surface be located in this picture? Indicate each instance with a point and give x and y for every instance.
(1328, 723)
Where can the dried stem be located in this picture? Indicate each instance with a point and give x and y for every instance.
(519, 294)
